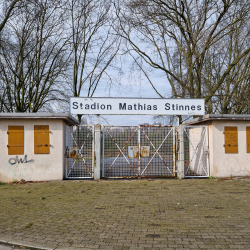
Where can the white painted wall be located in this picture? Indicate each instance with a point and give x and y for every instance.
(42, 167)
(225, 165)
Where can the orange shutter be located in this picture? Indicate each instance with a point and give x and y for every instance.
(231, 140)
(41, 139)
(248, 139)
(15, 140)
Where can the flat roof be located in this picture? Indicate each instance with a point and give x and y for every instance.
(213, 117)
(66, 117)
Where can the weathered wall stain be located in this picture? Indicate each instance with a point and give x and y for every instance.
(16, 160)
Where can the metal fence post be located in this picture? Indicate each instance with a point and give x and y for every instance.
(66, 145)
(103, 145)
(174, 152)
(181, 156)
(97, 170)
(139, 152)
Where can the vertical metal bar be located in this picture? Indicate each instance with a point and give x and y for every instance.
(67, 127)
(139, 152)
(173, 151)
(66, 142)
(93, 150)
(66, 175)
(208, 167)
(103, 143)
(97, 171)
(181, 174)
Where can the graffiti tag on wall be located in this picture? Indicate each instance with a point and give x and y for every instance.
(16, 160)
(235, 166)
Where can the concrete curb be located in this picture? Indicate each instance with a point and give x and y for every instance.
(32, 246)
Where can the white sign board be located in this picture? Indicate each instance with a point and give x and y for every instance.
(136, 106)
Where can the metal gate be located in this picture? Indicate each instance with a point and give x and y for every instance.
(80, 152)
(196, 153)
(138, 151)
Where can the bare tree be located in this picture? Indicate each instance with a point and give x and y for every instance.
(34, 58)
(8, 12)
(179, 38)
(93, 44)
(233, 95)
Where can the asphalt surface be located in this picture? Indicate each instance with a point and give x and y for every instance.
(126, 214)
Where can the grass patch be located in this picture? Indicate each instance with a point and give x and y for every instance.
(28, 225)
(211, 177)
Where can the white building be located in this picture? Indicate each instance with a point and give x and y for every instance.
(228, 143)
(33, 146)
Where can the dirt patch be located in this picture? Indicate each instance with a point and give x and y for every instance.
(22, 181)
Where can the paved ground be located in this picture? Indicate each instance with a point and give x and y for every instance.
(11, 247)
(127, 214)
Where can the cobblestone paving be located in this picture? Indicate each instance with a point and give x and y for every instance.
(127, 214)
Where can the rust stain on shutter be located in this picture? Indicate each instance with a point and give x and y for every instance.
(248, 139)
(231, 140)
(41, 139)
(15, 140)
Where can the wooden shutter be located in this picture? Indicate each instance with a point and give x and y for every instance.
(15, 140)
(41, 139)
(248, 139)
(231, 140)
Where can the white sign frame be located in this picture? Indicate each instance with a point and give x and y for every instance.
(136, 106)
